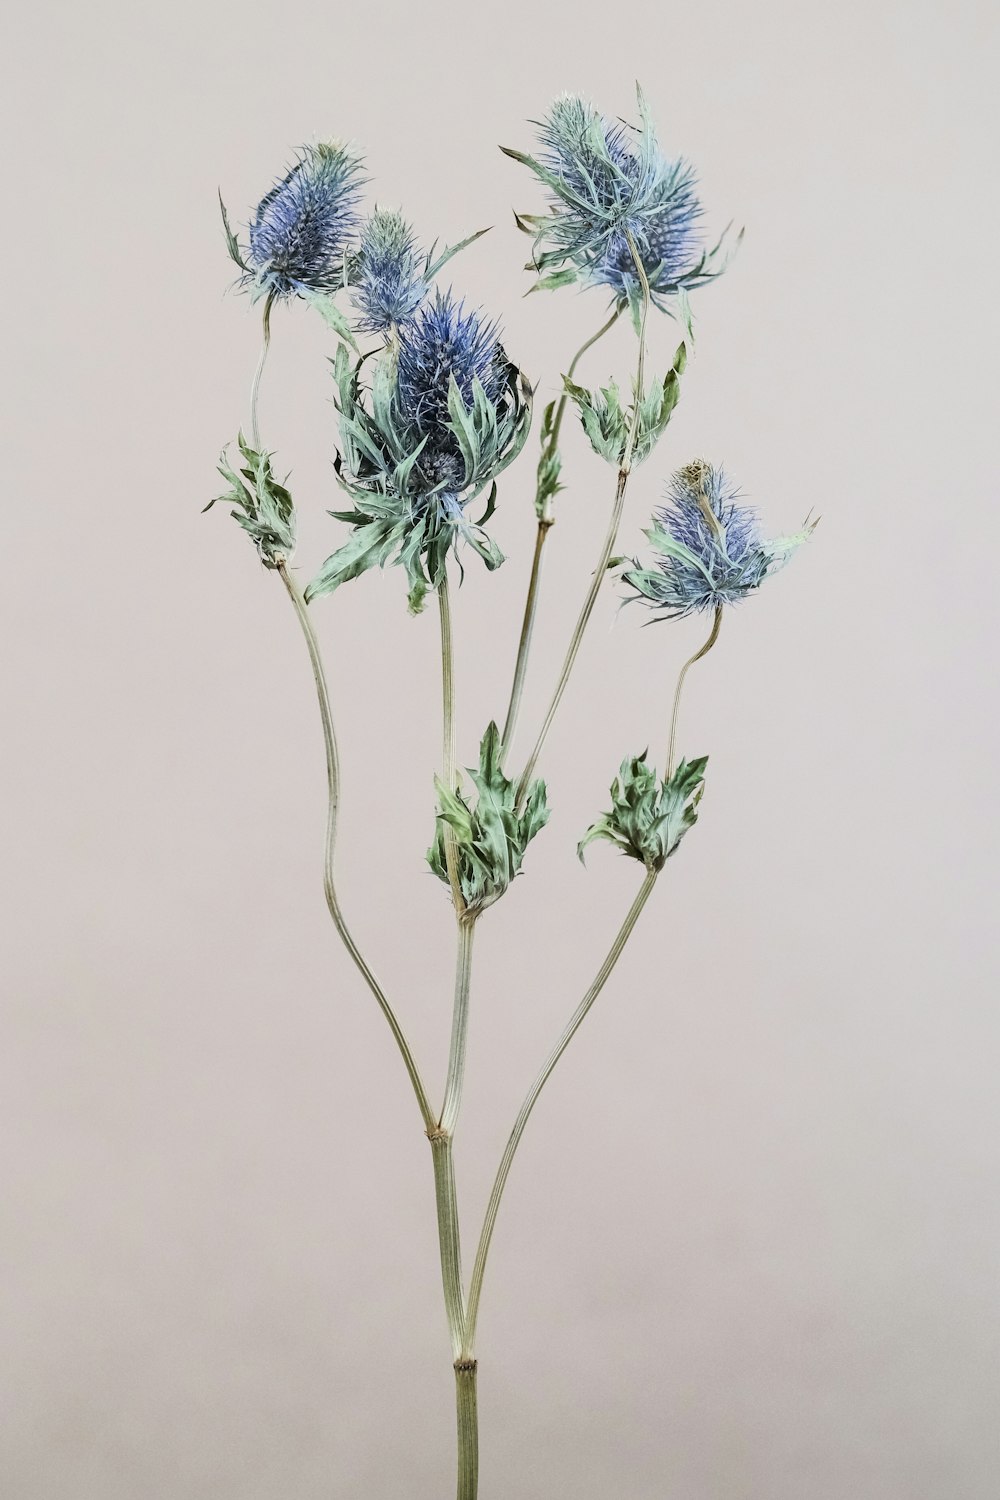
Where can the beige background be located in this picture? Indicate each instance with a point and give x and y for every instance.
(750, 1248)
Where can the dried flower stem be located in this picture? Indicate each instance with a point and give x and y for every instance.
(703, 651)
(608, 547)
(546, 520)
(333, 805)
(614, 952)
(448, 734)
(255, 387)
(459, 1027)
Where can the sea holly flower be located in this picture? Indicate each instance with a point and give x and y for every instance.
(389, 278)
(303, 229)
(261, 506)
(446, 411)
(608, 182)
(491, 834)
(710, 548)
(387, 274)
(649, 817)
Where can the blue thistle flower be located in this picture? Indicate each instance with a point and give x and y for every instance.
(711, 550)
(302, 229)
(445, 413)
(608, 180)
(442, 345)
(388, 275)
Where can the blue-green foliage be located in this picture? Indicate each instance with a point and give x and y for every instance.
(491, 834)
(649, 817)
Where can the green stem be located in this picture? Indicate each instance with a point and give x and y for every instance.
(459, 1027)
(448, 1236)
(546, 520)
(333, 805)
(255, 387)
(624, 469)
(479, 1268)
(527, 630)
(448, 736)
(468, 1429)
(704, 650)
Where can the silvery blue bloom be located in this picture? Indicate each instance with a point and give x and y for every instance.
(606, 181)
(388, 273)
(710, 549)
(445, 412)
(303, 228)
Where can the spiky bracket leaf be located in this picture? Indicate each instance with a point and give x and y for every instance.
(432, 264)
(607, 422)
(491, 835)
(649, 817)
(261, 506)
(232, 243)
(398, 520)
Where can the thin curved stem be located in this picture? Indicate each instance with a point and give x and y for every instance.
(557, 420)
(703, 651)
(546, 520)
(255, 387)
(448, 736)
(614, 952)
(459, 1027)
(333, 805)
(624, 469)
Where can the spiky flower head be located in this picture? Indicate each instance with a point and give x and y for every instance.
(609, 182)
(446, 411)
(387, 275)
(710, 548)
(302, 229)
(446, 347)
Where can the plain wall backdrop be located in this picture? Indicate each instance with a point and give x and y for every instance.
(750, 1246)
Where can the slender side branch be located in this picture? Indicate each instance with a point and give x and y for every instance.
(478, 1270)
(333, 805)
(255, 387)
(546, 521)
(625, 468)
(703, 651)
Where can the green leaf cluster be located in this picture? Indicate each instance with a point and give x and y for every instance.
(491, 834)
(649, 817)
(397, 515)
(607, 422)
(261, 505)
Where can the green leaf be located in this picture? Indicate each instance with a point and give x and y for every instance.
(232, 243)
(491, 834)
(432, 267)
(648, 817)
(331, 315)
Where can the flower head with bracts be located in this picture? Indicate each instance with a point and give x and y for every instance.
(302, 231)
(444, 413)
(609, 184)
(709, 546)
